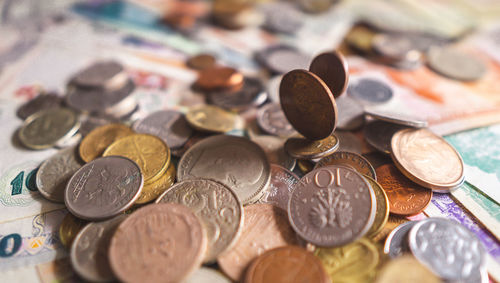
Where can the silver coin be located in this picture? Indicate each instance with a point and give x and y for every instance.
(282, 59)
(275, 151)
(89, 250)
(41, 102)
(455, 64)
(104, 74)
(396, 243)
(236, 162)
(396, 118)
(123, 109)
(55, 172)
(370, 91)
(95, 120)
(280, 188)
(349, 142)
(250, 95)
(207, 275)
(397, 49)
(169, 125)
(379, 134)
(69, 141)
(447, 248)
(272, 120)
(349, 113)
(282, 17)
(103, 188)
(273, 88)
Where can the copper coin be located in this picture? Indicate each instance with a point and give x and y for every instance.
(332, 68)
(332, 206)
(405, 197)
(280, 188)
(219, 77)
(352, 160)
(307, 149)
(286, 264)
(265, 227)
(201, 62)
(308, 104)
(158, 243)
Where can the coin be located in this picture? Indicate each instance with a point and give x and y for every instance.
(332, 68)
(103, 74)
(272, 120)
(280, 188)
(455, 64)
(94, 144)
(265, 227)
(397, 49)
(350, 113)
(234, 161)
(370, 91)
(349, 142)
(379, 134)
(251, 94)
(95, 120)
(201, 62)
(216, 205)
(162, 242)
(382, 212)
(273, 88)
(55, 172)
(447, 248)
(315, 6)
(396, 243)
(150, 153)
(152, 190)
(302, 148)
(406, 269)
(350, 159)
(69, 141)
(218, 77)
(355, 262)
(42, 101)
(396, 118)
(208, 118)
(332, 206)
(69, 228)
(305, 166)
(286, 264)
(169, 125)
(308, 104)
(282, 17)
(392, 223)
(207, 275)
(274, 149)
(282, 58)
(47, 127)
(103, 188)
(89, 251)
(360, 39)
(405, 197)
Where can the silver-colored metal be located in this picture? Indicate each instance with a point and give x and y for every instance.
(41, 102)
(207, 275)
(280, 188)
(282, 59)
(272, 120)
(397, 50)
(455, 64)
(251, 94)
(273, 88)
(370, 91)
(349, 113)
(379, 134)
(396, 118)
(396, 243)
(275, 151)
(349, 142)
(104, 74)
(282, 17)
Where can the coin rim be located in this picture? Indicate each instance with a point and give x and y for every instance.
(369, 165)
(387, 210)
(321, 154)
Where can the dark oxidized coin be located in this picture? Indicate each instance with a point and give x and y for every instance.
(332, 68)
(41, 102)
(251, 94)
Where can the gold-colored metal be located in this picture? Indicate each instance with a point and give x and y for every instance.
(70, 226)
(382, 212)
(208, 118)
(153, 190)
(406, 269)
(94, 144)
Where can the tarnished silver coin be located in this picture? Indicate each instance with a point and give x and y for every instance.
(349, 142)
(272, 120)
(234, 161)
(397, 50)
(379, 134)
(370, 91)
(273, 88)
(251, 94)
(41, 102)
(280, 188)
(396, 243)
(275, 151)
(349, 113)
(103, 188)
(207, 275)
(169, 125)
(104, 74)
(216, 205)
(282, 17)
(55, 172)
(396, 118)
(447, 248)
(302, 148)
(455, 64)
(282, 59)
(89, 251)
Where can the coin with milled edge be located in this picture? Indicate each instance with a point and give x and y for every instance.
(69, 228)
(370, 91)
(55, 172)
(332, 68)
(218, 77)
(427, 159)
(94, 144)
(152, 190)
(350, 113)
(201, 62)
(104, 74)
(169, 125)
(251, 94)
(406, 269)
(396, 243)
(216, 205)
(42, 101)
(455, 64)
(167, 242)
(332, 206)
(396, 118)
(207, 275)
(103, 188)
(382, 212)
(302, 148)
(89, 251)
(272, 120)
(209, 118)
(349, 142)
(274, 149)
(234, 161)
(379, 134)
(351, 159)
(280, 188)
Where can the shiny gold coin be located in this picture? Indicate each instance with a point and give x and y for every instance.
(209, 118)
(94, 144)
(69, 228)
(302, 148)
(406, 269)
(148, 151)
(153, 190)
(382, 212)
(305, 166)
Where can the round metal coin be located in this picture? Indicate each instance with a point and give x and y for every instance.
(42, 101)
(209, 118)
(332, 68)
(396, 243)
(251, 94)
(370, 91)
(151, 191)
(455, 64)
(207, 275)
(104, 74)
(382, 213)
(302, 148)
(350, 113)
(396, 48)
(201, 62)
(94, 144)
(275, 151)
(218, 77)
(349, 159)
(396, 118)
(272, 120)
(280, 188)
(379, 134)
(69, 228)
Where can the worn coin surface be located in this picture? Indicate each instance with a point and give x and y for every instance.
(396, 243)
(265, 227)
(281, 59)
(150, 153)
(427, 159)
(201, 61)
(169, 125)
(42, 101)
(302, 148)
(308, 104)
(218, 77)
(234, 161)
(350, 113)
(286, 264)
(275, 151)
(382, 213)
(216, 205)
(349, 142)
(332, 68)
(167, 242)
(46, 128)
(396, 118)
(350, 159)
(272, 120)
(370, 91)
(396, 48)
(251, 94)
(55, 172)
(280, 188)
(405, 197)
(447, 248)
(209, 118)
(89, 251)
(94, 144)
(103, 188)
(455, 64)
(379, 134)
(104, 74)
(207, 275)
(332, 206)
(69, 228)
(152, 190)
(406, 269)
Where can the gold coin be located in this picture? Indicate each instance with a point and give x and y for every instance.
(209, 118)
(94, 144)
(406, 269)
(148, 151)
(382, 212)
(69, 228)
(153, 190)
(305, 166)
(302, 148)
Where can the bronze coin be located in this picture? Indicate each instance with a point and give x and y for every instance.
(286, 264)
(405, 197)
(350, 159)
(219, 77)
(332, 68)
(201, 62)
(301, 148)
(308, 104)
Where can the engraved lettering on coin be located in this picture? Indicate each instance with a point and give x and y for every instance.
(272, 119)
(280, 188)
(350, 159)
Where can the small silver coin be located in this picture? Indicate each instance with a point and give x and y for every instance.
(41, 102)
(104, 74)
(169, 125)
(396, 118)
(280, 188)
(455, 64)
(251, 94)
(272, 120)
(349, 113)
(55, 172)
(282, 17)
(370, 91)
(274, 148)
(282, 59)
(397, 49)
(349, 142)
(103, 188)
(396, 243)
(89, 251)
(379, 134)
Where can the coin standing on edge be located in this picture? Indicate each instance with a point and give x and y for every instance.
(272, 120)
(280, 188)
(302, 148)
(332, 68)
(350, 159)
(396, 243)
(274, 148)
(213, 119)
(382, 213)
(94, 144)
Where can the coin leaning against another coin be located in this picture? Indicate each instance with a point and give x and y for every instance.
(382, 213)
(332, 68)
(280, 188)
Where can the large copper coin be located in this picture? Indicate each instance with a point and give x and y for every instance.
(308, 104)
(405, 197)
(332, 206)
(350, 159)
(286, 264)
(158, 243)
(332, 68)
(265, 227)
